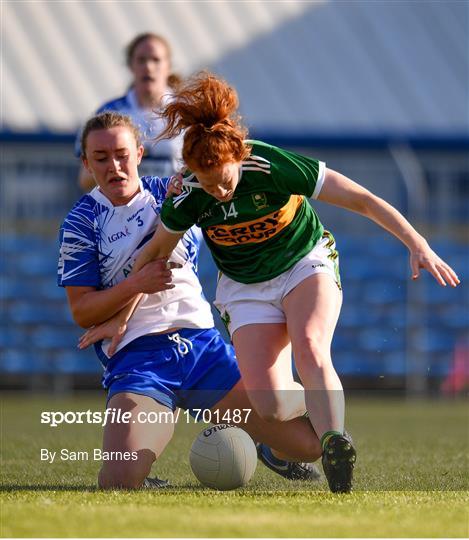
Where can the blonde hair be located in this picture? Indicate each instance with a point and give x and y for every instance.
(107, 120)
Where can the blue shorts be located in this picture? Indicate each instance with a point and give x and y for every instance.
(190, 369)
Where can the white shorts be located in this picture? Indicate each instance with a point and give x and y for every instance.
(240, 304)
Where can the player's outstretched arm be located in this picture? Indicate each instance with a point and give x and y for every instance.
(113, 329)
(160, 245)
(341, 191)
(90, 306)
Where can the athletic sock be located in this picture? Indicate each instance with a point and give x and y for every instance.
(325, 438)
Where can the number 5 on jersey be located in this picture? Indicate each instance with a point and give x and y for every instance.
(231, 211)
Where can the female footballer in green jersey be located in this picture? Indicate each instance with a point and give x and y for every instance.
(279, 279)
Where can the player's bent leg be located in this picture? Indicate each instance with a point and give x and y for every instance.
(294, 438)
(133, 446)
(311, 325)
(264, 358)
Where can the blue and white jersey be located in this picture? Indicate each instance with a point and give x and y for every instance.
(99, 243)
(162, 159)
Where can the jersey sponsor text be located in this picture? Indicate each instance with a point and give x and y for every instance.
(257, 230)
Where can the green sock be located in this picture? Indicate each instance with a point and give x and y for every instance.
(325, 438)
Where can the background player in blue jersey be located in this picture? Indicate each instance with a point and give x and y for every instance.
(148, 57)
(170, 355)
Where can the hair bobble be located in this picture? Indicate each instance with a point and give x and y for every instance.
(207, 129)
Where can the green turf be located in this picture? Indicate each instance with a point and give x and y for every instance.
(412, 480)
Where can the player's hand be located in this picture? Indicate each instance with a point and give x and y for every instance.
(155, 276)
(424, 257)
(174, 186)
(113, 329)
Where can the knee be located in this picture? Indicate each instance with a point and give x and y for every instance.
(311, 352)
(273, 412)
(122, 475)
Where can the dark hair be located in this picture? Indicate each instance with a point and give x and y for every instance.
(205, 106)
(173, 79)
(107, 120)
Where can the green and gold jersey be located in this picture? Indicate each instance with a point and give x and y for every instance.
(267, 226)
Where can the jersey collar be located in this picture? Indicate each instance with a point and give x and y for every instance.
(192, 180)
(99, 196)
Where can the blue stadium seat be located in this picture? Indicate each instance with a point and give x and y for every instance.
(34, 313)
(435, 295)
(17, 287)
(393, 316)
(75, 361)
(26, 361)
(358, 268)
(456, 317)
(460, 264)
(357, 316)
(385, 246)
(49, 290)
(381, 340)
(346, 363)
(13, 336)
(344, 340)
(435, 341)
(395, 363)
(54, 337)
(15, 361)
(447, 247)
(352, 288)
(384, 292)
(379, 245)
(349, 244)
(367, 268)
(361, 364)
(17, 244)
(38, 263)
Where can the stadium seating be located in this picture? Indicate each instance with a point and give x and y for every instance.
(378, 331)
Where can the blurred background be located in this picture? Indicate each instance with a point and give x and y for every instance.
(378, 89)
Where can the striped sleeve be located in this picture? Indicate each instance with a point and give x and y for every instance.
(296, 174)
(78, 253)
(177, 213)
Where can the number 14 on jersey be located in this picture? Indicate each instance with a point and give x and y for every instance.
(231, 212)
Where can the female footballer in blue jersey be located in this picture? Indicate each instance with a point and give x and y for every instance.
(170, 355)
(148, 57)
(279, 268)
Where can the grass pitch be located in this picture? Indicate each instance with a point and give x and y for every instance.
(412, 480)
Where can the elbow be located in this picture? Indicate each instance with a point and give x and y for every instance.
(374, 207)
(80, 318)
(365, 204)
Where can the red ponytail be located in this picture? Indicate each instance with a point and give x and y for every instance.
(206, 108)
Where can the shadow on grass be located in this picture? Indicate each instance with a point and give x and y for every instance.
(95, 489)
(46, 487)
